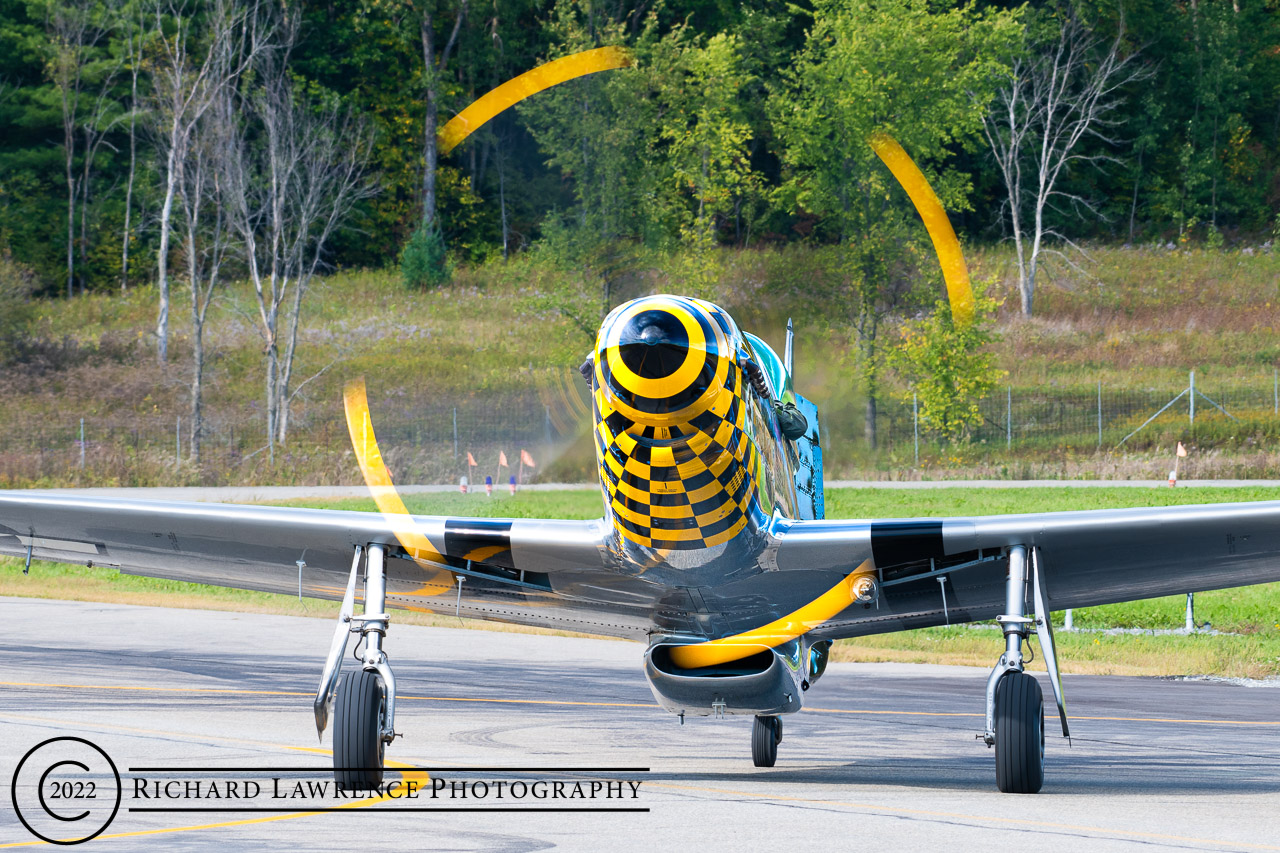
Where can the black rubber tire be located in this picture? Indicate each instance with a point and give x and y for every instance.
(765, 734)
(1019, 734)
(357, 732)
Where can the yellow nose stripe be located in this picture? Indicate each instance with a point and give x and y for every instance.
(667, 385)
(715, 393)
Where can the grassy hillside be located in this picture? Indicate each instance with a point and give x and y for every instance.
(494, 346)
(1250, 648)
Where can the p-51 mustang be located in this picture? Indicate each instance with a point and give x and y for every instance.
(712, 549)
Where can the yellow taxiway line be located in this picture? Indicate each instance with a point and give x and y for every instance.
(423, 777)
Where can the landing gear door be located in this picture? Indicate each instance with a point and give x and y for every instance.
(809, 501)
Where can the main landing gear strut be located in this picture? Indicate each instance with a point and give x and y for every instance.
(365, 708)
(1015, 703)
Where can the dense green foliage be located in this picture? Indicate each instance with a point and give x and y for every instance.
(740, 126)
(949, 367)
(741, 123)
(424, 263)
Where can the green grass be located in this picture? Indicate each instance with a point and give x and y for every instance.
(902, 503)
(571, 503)
(1252, 656)
(1134, 320)
(1251, 614)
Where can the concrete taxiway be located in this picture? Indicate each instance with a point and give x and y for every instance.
(884, 758)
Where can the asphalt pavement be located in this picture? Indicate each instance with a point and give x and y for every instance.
(884, 757)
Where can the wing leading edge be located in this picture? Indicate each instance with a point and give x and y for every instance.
(932, 571)
(950, 570)
(260, 547)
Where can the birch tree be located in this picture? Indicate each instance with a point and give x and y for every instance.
(291, 175)
(1056, 98)
(187, 74)
(205, 239)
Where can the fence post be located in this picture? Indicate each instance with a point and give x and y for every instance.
(1008, 416)
(1192, 386)
(1068, 623)
(455, 432)
(1099, 420)
(177, 442)
(915, 424)
(82, 444)
(1191, 612)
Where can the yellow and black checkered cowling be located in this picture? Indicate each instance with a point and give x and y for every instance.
(677, 464)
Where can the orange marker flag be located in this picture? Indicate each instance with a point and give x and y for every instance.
(471, 460)
(1182, 451)
(502, 460)
(526, 459)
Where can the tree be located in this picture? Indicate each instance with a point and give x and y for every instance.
(206, 236)
(434, 67)
(703, 129)
(424, 262)
(1057, 94)
(587, 275)
(132, 25)
(595, 131)
(98, 122)
(949, 366)
(292, 172)
(901, 68)
(660, 152)
(187, 76)
(76, 29)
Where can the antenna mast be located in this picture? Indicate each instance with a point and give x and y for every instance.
(786, 357)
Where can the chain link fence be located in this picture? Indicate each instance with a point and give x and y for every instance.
(1093, 419)
(429, 443)
(422, 444)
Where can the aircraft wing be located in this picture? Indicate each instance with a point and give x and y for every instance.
(259, 547)
(1087, 558)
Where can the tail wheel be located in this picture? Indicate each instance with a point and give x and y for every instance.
(1019, 734)
(359, 710)
(765, 734)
